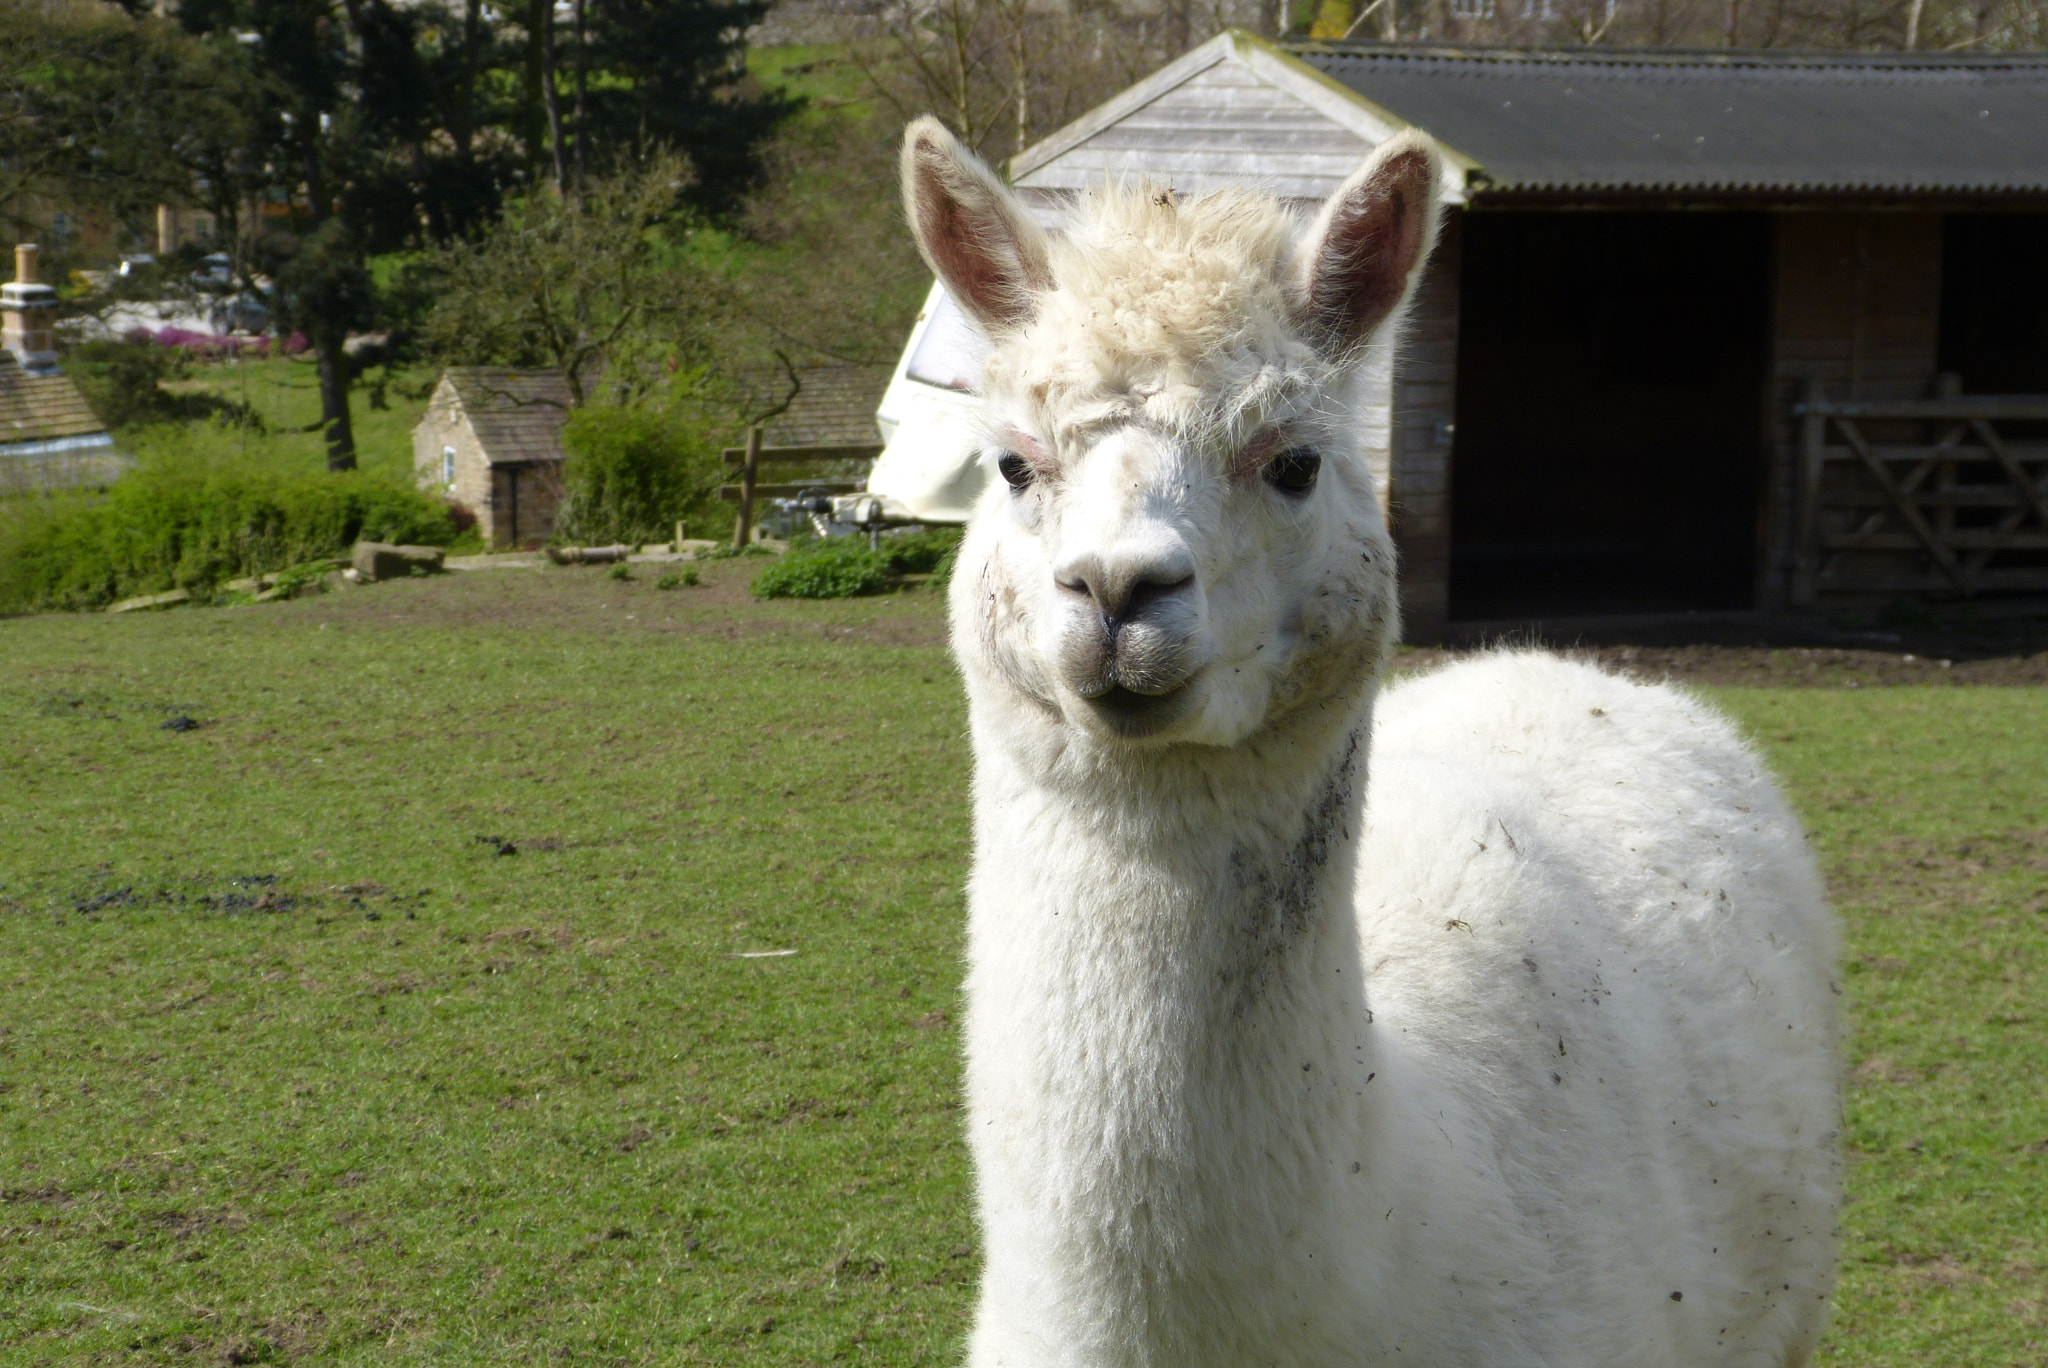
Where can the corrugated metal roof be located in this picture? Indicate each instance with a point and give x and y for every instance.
(517, 415)
(41, 408)
(1717, 121)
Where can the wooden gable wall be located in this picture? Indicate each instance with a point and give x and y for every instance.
(1223, 126)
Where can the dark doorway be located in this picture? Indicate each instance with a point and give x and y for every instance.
(1609, 443)
(1994, 302)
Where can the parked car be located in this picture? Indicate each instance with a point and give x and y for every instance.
(135, 265)
(239, 313)
(216, 273)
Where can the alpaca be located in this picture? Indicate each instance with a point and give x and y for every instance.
(1524, 1054)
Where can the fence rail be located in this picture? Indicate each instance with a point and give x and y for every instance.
(753, 457)
(1919, 496)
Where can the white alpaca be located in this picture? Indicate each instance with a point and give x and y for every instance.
(1529, 1059)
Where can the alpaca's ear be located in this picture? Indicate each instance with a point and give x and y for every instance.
(976, 237)
(1366, 250)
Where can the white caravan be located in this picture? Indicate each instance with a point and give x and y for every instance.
(930, 469)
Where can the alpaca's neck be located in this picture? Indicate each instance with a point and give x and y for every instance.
(1165, 980)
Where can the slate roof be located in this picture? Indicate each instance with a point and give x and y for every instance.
(1607, 120)
(43, 412)
(517, 415)
(834, 405)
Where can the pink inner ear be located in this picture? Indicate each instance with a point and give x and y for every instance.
(976, 264)
(1373, 243)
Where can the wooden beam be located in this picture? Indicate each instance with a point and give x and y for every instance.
(2008, 461)
(750, 465)
(799, 455)
(1902, 453)
(1813, 432)
(740, 493)
(1963, 408)
(1962, 539)
(1907, 510)
(1962, 496)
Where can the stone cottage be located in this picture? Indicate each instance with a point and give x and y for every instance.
(491, 442)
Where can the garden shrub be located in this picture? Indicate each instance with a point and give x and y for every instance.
(942, 573)
(828, 568)
(919, 552)
(628, 476)
(183, 522)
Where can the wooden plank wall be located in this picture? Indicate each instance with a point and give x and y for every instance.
(1857, 304)
(1224, 126)
(1425, 406)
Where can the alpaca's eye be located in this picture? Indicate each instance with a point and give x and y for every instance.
(1015, 469)
(1294, 470)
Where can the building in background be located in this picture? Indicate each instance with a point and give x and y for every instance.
(1706, 332)
(491, 442)
(49, 436)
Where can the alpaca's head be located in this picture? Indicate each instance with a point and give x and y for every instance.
(1184, 543)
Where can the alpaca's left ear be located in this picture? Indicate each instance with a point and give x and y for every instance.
(1367, 248)
(973, 232)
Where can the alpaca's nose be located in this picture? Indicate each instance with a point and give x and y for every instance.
(1124, 581)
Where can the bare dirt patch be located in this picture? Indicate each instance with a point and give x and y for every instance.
(584, 600)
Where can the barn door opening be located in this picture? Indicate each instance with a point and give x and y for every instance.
(1994, 302)
(1608, 452)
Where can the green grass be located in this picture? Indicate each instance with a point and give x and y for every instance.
(1929, 809)
(296, 1066)
(286, 392)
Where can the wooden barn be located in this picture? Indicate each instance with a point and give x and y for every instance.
(1708, 331)
(491, 441)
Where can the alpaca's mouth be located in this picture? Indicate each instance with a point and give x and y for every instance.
(1132, 715)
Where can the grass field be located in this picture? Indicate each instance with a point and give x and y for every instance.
(400, 1012)
(286, 392)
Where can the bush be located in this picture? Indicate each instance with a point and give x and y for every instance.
(628, 476)
(185, 523)
(921, 551)
(942, 573)
(829, 568)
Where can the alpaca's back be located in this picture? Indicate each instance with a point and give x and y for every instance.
(1597, 948)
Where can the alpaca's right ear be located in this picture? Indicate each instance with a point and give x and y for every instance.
(976, 237)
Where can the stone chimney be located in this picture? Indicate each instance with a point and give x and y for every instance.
(28, 316)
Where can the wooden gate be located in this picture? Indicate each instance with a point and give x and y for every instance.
(1923, 497)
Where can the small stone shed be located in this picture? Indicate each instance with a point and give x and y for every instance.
(491, 441)
(1707, 331)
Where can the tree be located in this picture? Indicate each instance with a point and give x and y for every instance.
(102, 113)
(598, 286)
(639, 77)
(1004, 73)
(829, 199)
(324, 291)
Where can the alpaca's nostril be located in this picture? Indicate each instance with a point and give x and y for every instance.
(1120, 587)
(1149, 591)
